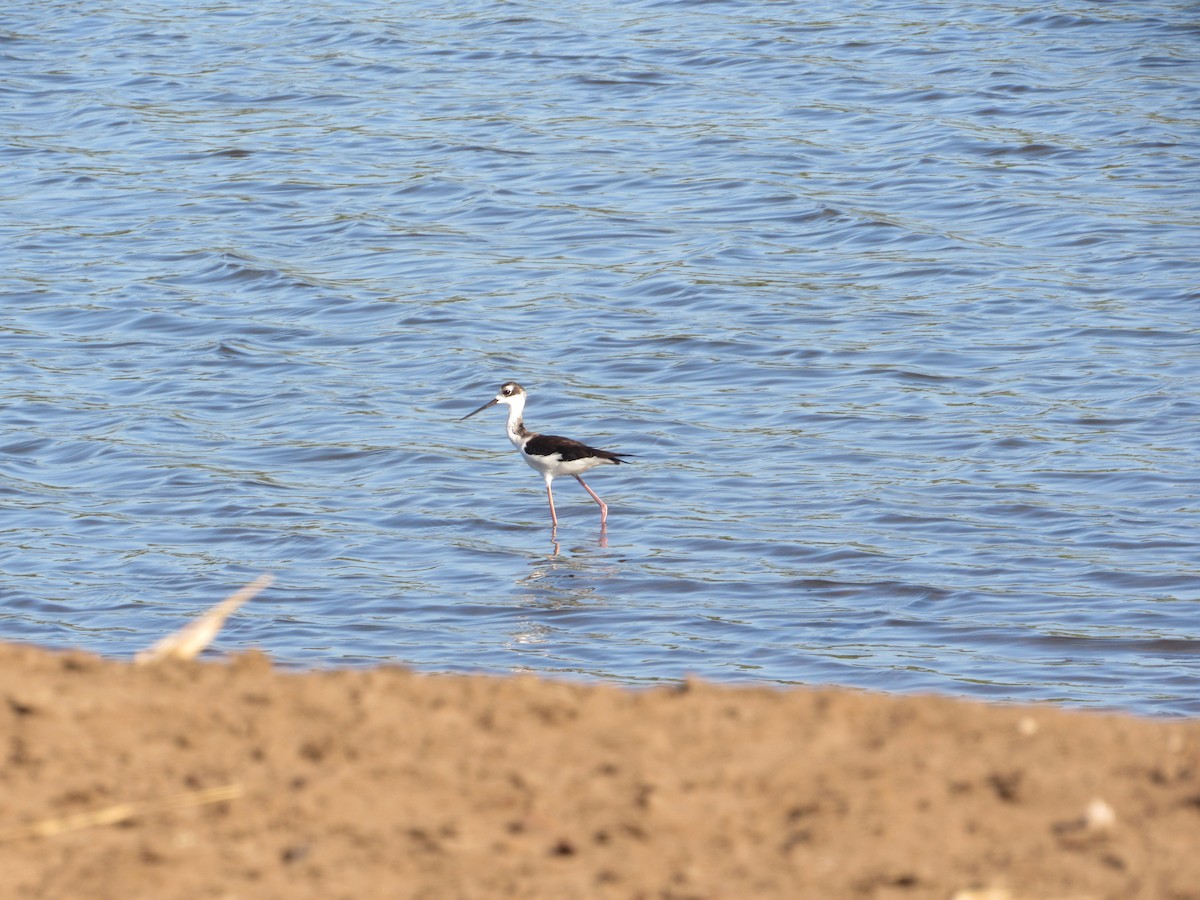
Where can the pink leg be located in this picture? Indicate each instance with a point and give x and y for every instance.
(603, 505)
(550, 497)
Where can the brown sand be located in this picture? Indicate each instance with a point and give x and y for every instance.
(382, 783)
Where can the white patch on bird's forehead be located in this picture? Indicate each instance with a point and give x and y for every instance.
(509, 388)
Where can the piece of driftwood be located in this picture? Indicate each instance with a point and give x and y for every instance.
(120, 812)
(189, 641)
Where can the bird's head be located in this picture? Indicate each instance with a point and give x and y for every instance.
(511, 394)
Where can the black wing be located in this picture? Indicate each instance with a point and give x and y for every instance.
(567, 449)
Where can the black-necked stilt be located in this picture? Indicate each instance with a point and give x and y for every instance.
(549, 454)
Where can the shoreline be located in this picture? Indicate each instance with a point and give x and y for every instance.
(234, 778)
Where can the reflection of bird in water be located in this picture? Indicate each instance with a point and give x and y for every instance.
(549, 454)
(581, 579)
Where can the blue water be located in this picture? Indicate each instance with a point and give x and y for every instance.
(896, 303)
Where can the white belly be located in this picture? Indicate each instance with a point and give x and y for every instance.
(553, 465)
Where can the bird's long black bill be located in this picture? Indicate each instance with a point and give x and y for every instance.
(481, 409)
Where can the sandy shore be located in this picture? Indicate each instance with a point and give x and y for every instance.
(236, 780)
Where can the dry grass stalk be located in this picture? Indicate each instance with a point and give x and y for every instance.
(120, 812)
(189, 641)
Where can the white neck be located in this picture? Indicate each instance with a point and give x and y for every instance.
(516, 409)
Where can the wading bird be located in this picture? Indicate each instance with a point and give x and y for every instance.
(549, 454)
